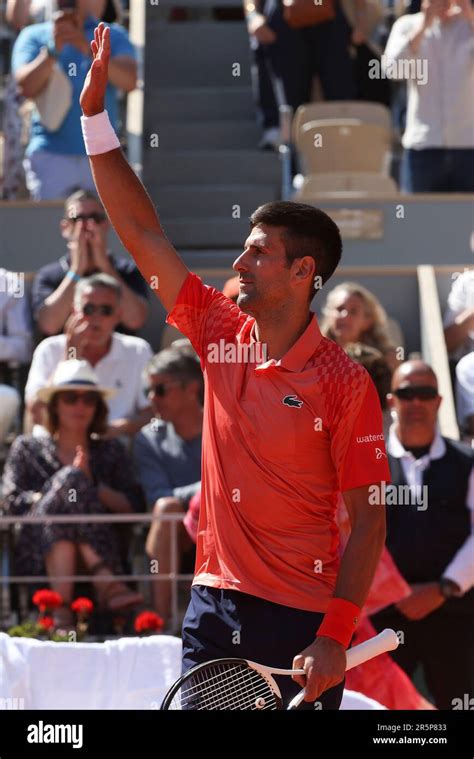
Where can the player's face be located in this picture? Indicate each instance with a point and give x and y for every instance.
(265, 278)
(348, 319)
(415, 413)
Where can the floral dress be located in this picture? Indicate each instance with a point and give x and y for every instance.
(33, 467)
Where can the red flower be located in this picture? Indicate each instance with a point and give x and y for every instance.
(47, 599)
(148, 621)
(82, 605)
(46, 622)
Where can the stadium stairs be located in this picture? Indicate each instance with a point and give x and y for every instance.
(192, 128)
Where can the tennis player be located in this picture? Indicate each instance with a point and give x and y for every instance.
(283, 435)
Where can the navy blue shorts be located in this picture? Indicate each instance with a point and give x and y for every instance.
(221, 623)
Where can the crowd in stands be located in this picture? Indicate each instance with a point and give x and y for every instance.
(50, 60)
(357, 53)
(412, 56)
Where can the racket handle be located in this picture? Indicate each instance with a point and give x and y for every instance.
(385, 641)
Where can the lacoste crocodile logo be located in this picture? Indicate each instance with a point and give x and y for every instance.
(292, 400)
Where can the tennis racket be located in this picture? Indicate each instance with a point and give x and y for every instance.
(238, 684)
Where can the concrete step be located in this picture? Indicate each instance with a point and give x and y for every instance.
(197, 54)
(198, 103)
(203, 201)
(207, 233)
(212, 166)
(203, 135)
(221, 258)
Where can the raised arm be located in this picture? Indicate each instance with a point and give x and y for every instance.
(124, 197)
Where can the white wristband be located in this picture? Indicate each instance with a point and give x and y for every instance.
(99, 134)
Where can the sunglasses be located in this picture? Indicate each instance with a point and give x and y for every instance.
(71, 397)
(421, 392)
(161, 389)
(105, 309)
(97, 217)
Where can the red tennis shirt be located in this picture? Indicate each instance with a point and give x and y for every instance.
(281, 440)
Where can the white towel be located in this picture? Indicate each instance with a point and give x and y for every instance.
(354, 700)
(129, 673)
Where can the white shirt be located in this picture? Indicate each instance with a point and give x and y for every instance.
(440, 112)
(121, 368)
(15, 323)
(460, 298)
(461, 568)
(465, 388)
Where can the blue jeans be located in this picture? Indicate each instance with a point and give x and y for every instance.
(438, 170)
(267, 108)
(228, 623)
(51, 176)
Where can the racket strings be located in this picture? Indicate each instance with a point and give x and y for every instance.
(245, 690)
(224, 687)
(235, 688)
(242, 692)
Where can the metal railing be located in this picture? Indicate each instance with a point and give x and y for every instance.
(7, 579)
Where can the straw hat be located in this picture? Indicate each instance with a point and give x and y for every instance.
(74, 375)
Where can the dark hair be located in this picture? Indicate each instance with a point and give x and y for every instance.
(308, 231)
(182, 364)
(374, 361)
(97, 426)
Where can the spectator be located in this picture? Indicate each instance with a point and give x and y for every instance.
(295, 55)
(20, 13)
(459, 316)
(85, 227)
(118, 359)
(55, 160)
(71, 471)
(431, 540)
(15, 343)
(433, 51)
(465, 393)
(191, 520)
(231, 288)
(168, 456)
(352, 314)
(373, 360)
(261, 35)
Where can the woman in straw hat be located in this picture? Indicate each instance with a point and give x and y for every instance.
(73, 471)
